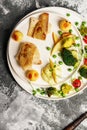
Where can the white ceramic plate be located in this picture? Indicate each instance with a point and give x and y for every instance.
(54, 17)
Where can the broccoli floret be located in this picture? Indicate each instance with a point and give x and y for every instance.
(52, 91)
(83, 71)
(68, 57)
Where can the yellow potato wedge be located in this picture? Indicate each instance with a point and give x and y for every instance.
(55, 37)
(66, 34)
(57, 47)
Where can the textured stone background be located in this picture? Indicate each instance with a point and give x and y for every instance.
(18, 109)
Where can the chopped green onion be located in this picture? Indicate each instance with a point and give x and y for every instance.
(34, 92)
(42, 92)
(77, 45)
(60, 91)
(62, 94)
(38, 90)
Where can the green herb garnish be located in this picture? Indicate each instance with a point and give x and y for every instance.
(62, 94)
(38, 90)
(34, 92)
(77, 45)
(52, 91)
(42, 91)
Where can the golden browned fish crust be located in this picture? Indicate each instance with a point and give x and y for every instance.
(27, 55)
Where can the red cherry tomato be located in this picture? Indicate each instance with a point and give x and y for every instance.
(76, 83)
(85, 61)
(85, 39)
(85, 36)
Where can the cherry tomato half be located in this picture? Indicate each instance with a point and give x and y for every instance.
(85, 61)
(85, 39)
(76, 83)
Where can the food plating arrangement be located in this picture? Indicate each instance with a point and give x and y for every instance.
(47, 53)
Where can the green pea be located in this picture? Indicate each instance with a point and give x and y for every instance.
(70, 30)
(51, 70)
(78, 45)
(68, 14)
(76, 89)
(77, 38)
(59, 54)
(83, 23)
(60, 62)
(48, 48)
(54, 56)
(54, 66)
(60, 32)
(69, 69)
(76, 23)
